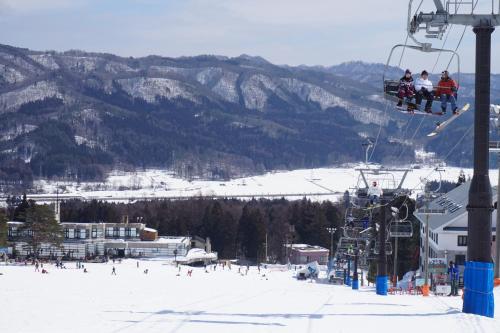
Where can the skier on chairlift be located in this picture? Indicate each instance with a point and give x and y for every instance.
(423, 87)
(447, 91)
(374, 193)
(406, 89)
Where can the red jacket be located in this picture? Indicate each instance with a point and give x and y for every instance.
(446, 87)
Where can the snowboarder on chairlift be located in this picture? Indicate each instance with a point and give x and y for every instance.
(447, 90)
(423, 87)
(374, 193)
(406, 88)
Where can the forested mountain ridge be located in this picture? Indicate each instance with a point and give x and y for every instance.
(77, 114)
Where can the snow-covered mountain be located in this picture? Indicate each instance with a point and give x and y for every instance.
(77, 114)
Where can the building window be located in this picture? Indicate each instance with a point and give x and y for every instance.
(109, 232)
(94, 232)
(83, 233)
(66, 233)
(127, 232)
(116, 232)
(462, 241)
(460, 259)
(77, 233)
(437, 238)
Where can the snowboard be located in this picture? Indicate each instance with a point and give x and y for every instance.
(441, 126)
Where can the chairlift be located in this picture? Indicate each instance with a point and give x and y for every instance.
(391, 85)
(388, 248)
(384, 177)
(401, 229)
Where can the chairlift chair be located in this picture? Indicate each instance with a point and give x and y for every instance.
(385, 178)
(391, 86)
(401, 229)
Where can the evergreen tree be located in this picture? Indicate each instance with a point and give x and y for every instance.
(41, 227)
(20, 211)
(252, 233)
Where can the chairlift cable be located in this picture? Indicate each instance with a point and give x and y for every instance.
(442, 47)
(461, 37)
(408, 36)
(387, 103)
(459, 42)
(412, 138)
(448, 155)
(404, 49)
(407, 127)
(430, 173)
(444, 44)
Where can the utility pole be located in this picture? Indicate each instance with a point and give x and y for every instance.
(332, 232)
(478, 282)
(382, 259)
(425, 289)
(427, 212)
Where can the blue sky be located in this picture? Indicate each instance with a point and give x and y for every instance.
(314, 32)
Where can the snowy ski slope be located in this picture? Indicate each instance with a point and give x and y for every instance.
(221, 301)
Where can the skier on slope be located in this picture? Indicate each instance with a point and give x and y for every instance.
(447, 91)
(406, 89)
(423, 87)
(453, 275)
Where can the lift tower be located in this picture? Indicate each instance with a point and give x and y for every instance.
(478, 277)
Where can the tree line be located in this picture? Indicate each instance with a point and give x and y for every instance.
(237, 229)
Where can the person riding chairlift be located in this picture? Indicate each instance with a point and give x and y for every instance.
(447, 91)
(374, 193)
(406, 90)
(424, 88)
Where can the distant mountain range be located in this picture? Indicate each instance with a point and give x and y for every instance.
(77, 115)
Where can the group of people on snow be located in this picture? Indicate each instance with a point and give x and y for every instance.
(423, 88)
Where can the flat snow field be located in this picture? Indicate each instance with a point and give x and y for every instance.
(221, 301)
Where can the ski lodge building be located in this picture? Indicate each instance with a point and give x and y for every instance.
(300, 254)
(448, 232)
(88, 240)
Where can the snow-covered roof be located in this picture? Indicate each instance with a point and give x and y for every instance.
(173, 240)
(15, 223)
(307, 247)
(454, 203)
(149, 229)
